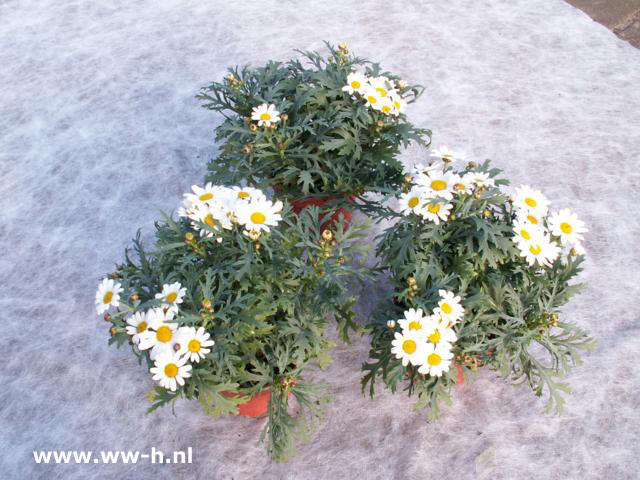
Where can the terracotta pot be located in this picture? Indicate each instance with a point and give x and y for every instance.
(257, 406)
(460, 379)
(301, 203)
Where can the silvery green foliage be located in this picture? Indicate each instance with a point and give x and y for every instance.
(511, 321)
(331, 141)
(270, 302)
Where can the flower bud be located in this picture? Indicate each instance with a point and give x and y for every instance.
(486, 213)
(391, 324)
(176, 347)
(113, 331)
(253, 127)
(471, 165)
(188, 237)
(246, 149)
(284, 117)
(380, 123)
(107, 317)
(411, 281)
(408, 179)
(327, 235)
(206, 303)
(134, 298)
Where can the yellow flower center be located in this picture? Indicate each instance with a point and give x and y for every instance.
(415, 325)
(386, 109)
(265, 116)
(535, 249)
(206, 196)
(243, 195)
(438, 185)
(258, 218)
(355, 84)
(531, 202)
(194, 346)
(209, 220)
(107, 297)
(382, 91)
(171, 297)
(459, 186)
(372, 99)
(434, 359)
(413, 202)
(164, 334)
(434, 337)
(409, 346)
(171, 370)
(524, 234)
(142, 326)
(532, 219)
(566, 228)
(434, 208)
(446, 308)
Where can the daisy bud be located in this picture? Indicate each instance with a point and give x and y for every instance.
(408, 179)
(471, 165)
(206, 303)
(411, 281)
(574, 252)
(253, 127)
(452, 216)
(176, 347)
(402, 84)
(257, 246)
(188, 237)
(486, 213)
(284, 117)
(342, 260)
(254, 235)
(134, 298)
(477, 194)
(414, 288)
(107, 317)
(327, 254)
(380, 123)
(230, 77)
(342, 46)
(327, 235)
(113, 331)
(554, 319)
(246, 149)
(391, 324)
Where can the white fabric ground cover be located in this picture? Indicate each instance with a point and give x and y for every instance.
(99, 131)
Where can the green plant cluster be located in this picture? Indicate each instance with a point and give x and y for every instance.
(327, 141)
(512, 320)
(264, 302)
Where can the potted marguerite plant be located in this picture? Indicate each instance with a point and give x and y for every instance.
(230, 306)
(319, 131)
(479, 278)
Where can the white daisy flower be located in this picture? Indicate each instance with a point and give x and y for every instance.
(446, 154)
(201, 195)
(160, 335)
(529, 217)
(258, 215)
(214, 215)
(108, 295)
(413, 200)
(435, 359)
(525, 230)
(356, 83)
(412, 320)
(194, 344)
(170, 370)
(540, 249)
(407, 346)
(247, 194)
(435, 211)
(372, 98)
(386, 106)
(567, 226)
(438, 182)
(265, 114)
(461, 184)
(171, 295)
(382, 85)
(136, 326)
(480, 179)
(449, 307)
(399, 104)
(439, 331)
(527, 199)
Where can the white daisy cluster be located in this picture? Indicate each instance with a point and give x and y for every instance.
(171, 347)
(379, 93)
(435, 186)
(220, 207)
(539, 244)
(266, 115)
(426, 341)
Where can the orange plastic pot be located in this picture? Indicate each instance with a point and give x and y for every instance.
(257, 406)
(460, 379)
